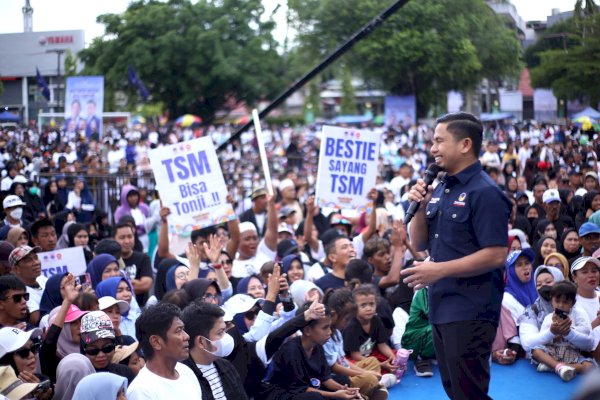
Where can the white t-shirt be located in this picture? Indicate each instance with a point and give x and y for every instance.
(244, 268)
(211, 374)
(147, 386)
(590, 307)
(516, 309)
(35, 294)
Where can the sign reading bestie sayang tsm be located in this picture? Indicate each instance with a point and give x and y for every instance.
(190, 182)
(347, 168)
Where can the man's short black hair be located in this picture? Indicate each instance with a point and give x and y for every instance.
(10, 282)
(463, 125)
(108, 246)
(123, 224)
(199, 318)
(155, 320)
(202, 233)
(39, 224)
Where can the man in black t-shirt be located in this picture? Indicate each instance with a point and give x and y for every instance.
(137, 264)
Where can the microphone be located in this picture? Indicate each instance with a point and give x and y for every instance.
(430, 175)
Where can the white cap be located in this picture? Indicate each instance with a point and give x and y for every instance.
(582, 261)
(239, 303)
(109, 301)
(247, 226)
(580, 192)
(286, 183)
(12, 339)
(12, 201)
(550, 195)
(283, 227)
(20, 179)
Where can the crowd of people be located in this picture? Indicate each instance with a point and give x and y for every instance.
(288, 301)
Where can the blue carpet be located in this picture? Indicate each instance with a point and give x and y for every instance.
(519, 381)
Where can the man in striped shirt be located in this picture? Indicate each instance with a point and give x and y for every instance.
(209, 343)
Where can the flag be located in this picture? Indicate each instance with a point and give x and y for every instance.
(42, 84)
(137, 83)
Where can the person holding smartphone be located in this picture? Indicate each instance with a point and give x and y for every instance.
(562, 352)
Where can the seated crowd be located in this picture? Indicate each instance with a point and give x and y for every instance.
(287, 302)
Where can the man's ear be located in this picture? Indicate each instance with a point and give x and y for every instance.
(156, 342)
(467, 145)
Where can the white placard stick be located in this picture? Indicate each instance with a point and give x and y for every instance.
(262, 152)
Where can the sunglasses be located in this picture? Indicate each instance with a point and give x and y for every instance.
(34, 349)
(106, 350)
(17, 297)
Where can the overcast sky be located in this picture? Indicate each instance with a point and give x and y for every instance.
(51, 15)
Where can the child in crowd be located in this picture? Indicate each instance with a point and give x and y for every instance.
(365, 373)
(300, 370)
(562, 352)
(365, 336)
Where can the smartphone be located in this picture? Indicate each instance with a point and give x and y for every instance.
(84, 280)
(561, 313)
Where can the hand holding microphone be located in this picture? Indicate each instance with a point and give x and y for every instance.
(421, 191)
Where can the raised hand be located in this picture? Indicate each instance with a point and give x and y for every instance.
(213, 250)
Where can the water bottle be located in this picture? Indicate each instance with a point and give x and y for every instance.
(401, 361)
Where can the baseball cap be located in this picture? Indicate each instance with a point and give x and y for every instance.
(582, 261)
(109, 301)
(283, 227)
(580, 192)
(12, 387)
(20, 253)
(286, 183)
(258, 192)
(12, 339)
(588, 227)
(550, 195)
(286, 211)
(20, 179)
(122, 352)
(12, 201)
(338, 219)
(74, 313)
(96, 325)
(5, 249)
(240, 303)
(286, 247)
(514, 255)
(592, 174)
(519, 194)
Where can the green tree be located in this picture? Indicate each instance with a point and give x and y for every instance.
(348, 105)
(572, 73)
(70, 64)
(196, 58)
(427, 48)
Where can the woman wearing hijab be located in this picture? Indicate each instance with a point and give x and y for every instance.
(81, 201)
(62, 337)
(78, 236)
(544, 228)
(591, 204)
(120, 288)
(176, 276)
(160, 286)
(292, 266)
(52, 296)
(203, 290)
(544, 247)
(101, 386)
(17, 236)
(102, 267)
(532, 318)
(569, 245)
(520, 286)
(559, 261)
(70, 371)
(63, 240)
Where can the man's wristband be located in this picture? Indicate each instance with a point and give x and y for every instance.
(217, 266)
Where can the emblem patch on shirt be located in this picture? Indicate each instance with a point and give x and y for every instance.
(434, 200)
(460, 202)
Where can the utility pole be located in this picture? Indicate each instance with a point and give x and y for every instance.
(59, 53)
(27, 17)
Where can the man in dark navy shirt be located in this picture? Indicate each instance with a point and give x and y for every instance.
(463, 224)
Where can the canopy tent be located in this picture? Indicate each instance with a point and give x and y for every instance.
(488, 117)
(8, 116)
(588, 112)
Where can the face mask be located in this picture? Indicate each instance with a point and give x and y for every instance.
(17, 213)
(224, 346)
(521, 209)
(545, 292)
(34, 191)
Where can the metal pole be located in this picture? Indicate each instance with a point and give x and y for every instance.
(361, 34)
